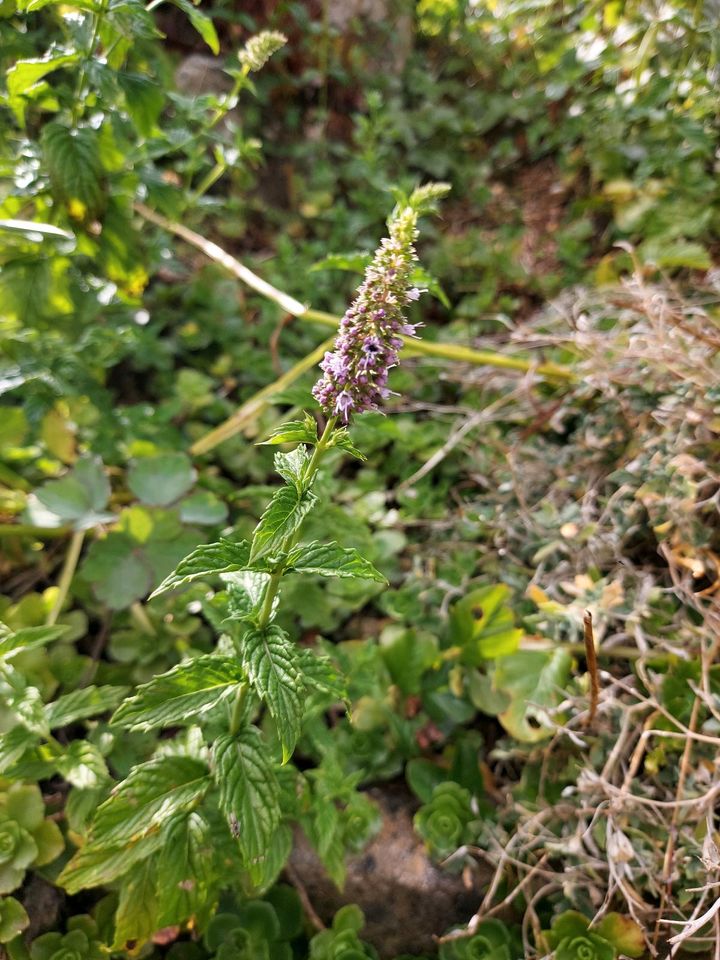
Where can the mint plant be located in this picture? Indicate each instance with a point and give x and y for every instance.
(208, 806)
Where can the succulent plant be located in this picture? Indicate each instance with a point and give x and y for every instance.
(491, 941)
(27, 838)
(81, 942)
(443, 822)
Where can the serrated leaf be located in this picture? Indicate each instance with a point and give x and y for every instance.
(72, 158)
(95, 866)
(144, 100)
(182, 694)
(82, 765)
(151, 793)
(88, 702)
(331, 560)
(14, 744)
(270, 658)
(341, 440)
(284, 514)
(161, 480)
(23, 76)
(294, 431)
(319, 671)
(187, 880)
(24, 701)
(249, 792)
(136, 915)
(291, 466)
(27, 638)
(225, 556)
(202, 23)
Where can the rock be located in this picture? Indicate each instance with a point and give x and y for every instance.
(405, 897)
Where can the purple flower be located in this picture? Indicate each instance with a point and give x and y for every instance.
(355, 373)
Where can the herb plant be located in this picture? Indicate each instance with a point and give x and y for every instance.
(214, 794)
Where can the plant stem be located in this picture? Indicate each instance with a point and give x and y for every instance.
(273, 586)
(237, 710)
(446, 351)
(30, 530)
(67, 574)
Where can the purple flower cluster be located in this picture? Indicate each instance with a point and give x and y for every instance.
(355, 373)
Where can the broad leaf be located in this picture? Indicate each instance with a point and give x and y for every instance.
(72, 157)
(533, 680)
(483, 625)
(225, 556)
(88, 702)
(78, 498)
(95, 866)
(270, 658)
(331, 560)
(182, 694)
(319, 671)
(249, 790)
(285, 512)
(187, 878)
(136, 916)
(161, 480)
(23, 76)
(152, 792)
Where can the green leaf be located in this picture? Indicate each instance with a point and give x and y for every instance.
(95, 866)
(482, 623)
(118, 569)
(136, 916)
(225, 556)
(27, 638)
(270, 658)
(144, 100)
(72, 158)
(623, 933)
(294, 431)
(13, 919)
(319, 671)
(24, 76)
(161, 480)
(677, 252)
(203, 508)
(202, 23)
(533, 680)
(341, 440)
(187, 880)
(249, 791)
(88, 702)
(182, 694)
(151, 793)
(291, 466)
(79, 498)
(31, 229)
(83, 765)
(14, 744)
(284, 514)
(331, 560)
